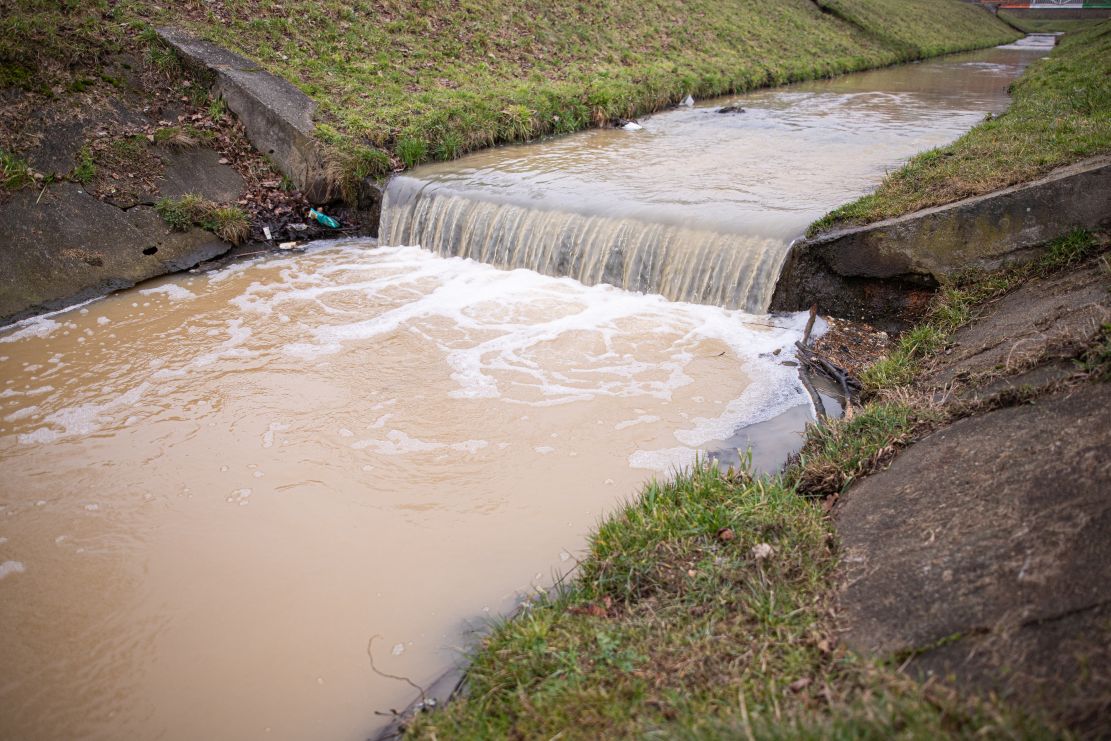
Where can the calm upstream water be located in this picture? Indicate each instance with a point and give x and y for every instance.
(699, 205)
(219, 488)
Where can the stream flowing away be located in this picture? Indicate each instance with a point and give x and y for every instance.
(219, 487)
(698, 205)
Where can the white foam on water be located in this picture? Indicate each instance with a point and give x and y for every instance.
(82, 419)
(401, 443)
(506, 340)
(172, 291)
(22, 414)
(664, 460)
(11, 567)
(39, 326)
(515, 333)
(642, 419)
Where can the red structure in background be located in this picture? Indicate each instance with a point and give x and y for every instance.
(1049, 4)
(1049, 8)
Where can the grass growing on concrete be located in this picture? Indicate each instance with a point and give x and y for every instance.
(13, 173)
(1061, 113)
(956, 303)
(423, 80)
(229, 223)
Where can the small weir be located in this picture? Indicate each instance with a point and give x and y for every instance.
(219, 487)
(699, 204)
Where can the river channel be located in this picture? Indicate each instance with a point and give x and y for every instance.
(219, 487)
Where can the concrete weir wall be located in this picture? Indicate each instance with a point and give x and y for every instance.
(277, 117)
(880, 271)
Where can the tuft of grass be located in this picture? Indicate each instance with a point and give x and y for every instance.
(845, 450)
(1061, 113)
(14, 172)
(179, 137)
(182, 213)
(85, 170)
(412, 151)
(679, 625)
(349, 165)
(1096, 362)
(217, 108)
(230, 223)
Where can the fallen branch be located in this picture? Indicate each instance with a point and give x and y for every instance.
(804, 375)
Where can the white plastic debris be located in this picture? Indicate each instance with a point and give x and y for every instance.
(632, 126)
(688, 101)
(288, 245)
(266, 233)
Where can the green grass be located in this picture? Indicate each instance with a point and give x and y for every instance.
(676, 627)
(907, 24)
(230, 223)
(399, 82)
(425, 80)
(1061, 113)
(14, 173)
(85, 170)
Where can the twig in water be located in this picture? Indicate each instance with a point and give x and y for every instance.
(804, 374)
(810, 325)
(376, 670)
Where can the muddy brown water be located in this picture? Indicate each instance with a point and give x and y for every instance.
(217, 489)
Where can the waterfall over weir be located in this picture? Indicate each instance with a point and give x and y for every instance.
(736, 271)
(701, 203)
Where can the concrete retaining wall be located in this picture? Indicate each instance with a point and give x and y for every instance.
(880, 271)
(276, 115)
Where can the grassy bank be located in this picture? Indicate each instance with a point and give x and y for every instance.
(398, 83)
(1061, 113)
(705, 608)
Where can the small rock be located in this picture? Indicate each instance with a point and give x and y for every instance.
(762, 551)
(731, 109)
(726, 534)
(223, 160)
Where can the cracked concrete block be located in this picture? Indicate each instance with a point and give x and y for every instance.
(67, 246)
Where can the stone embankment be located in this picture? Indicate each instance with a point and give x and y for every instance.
(89, 225)
(884, 271)
(983, 553)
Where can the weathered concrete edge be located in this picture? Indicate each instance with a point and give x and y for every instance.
(880, 271)
(277, 117)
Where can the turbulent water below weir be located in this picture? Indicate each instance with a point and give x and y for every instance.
(698, 205)
(218, 488)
